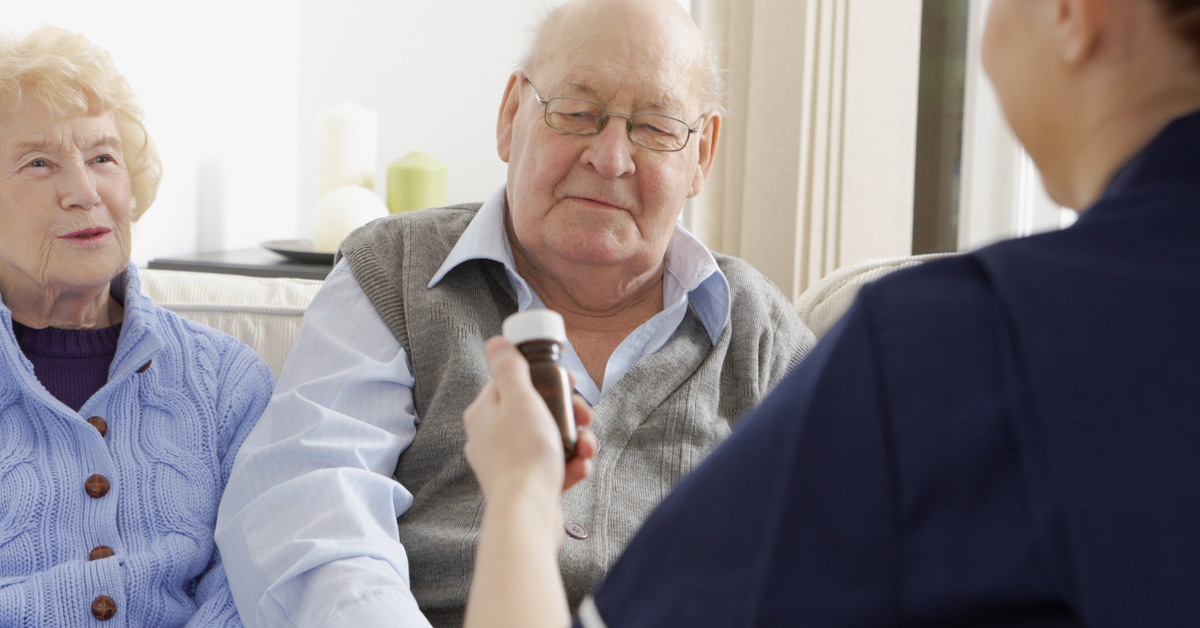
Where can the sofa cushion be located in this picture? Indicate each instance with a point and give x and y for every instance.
(264, 313)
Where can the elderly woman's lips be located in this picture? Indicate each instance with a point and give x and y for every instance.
(89, 236)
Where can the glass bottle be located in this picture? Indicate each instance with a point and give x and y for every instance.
(541, 336)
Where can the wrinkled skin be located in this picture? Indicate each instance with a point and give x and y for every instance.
(590, 217)
(57, 178)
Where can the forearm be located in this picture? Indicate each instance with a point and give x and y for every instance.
(309, 516)
(517, 581)
(284, 552)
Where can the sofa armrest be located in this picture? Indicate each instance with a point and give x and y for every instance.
(824, 303)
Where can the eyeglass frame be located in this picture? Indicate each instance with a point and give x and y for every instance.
(545, 103)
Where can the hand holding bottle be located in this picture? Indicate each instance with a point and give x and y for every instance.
(512, 438)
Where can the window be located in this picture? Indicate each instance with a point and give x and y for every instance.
(940, 100)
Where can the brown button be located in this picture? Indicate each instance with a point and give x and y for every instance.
(100, 424)
(96, 486)
(103, 608)
(577, 531)
(145, 367)
(102, 551)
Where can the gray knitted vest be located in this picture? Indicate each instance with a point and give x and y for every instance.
(656, 424)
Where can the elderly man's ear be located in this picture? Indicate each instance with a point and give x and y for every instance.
(708, 137)
(508, 112)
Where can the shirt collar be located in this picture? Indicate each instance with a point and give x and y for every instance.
(137, 343)
(139, 340)
(689, 263)
(1169, 159)
(699, 279)
(486, 238)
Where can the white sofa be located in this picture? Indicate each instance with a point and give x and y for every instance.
(263, 313)
(823, 304)
(266, 313)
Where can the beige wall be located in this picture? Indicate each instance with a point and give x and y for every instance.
(816, 164)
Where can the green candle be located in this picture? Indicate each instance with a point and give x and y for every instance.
(415, 181)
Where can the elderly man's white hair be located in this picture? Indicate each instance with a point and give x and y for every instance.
(712, 85)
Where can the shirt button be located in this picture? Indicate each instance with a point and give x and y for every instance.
(103, 608)
(96, 486)
(145, 367)
(576, 530)
(102, 551)
(100, 424)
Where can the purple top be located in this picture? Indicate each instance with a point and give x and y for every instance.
(72, 364)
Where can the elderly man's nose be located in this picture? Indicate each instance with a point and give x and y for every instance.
(77, 188)
(610, 151)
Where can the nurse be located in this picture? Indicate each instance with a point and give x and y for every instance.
(1008, 437)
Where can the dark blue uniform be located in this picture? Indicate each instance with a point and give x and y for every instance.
(1006, 438)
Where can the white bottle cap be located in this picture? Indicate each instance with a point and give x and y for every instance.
(535, 325)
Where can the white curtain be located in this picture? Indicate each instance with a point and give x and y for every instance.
(817, 156)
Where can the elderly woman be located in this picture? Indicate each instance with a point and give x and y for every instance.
(1005, 438)
(119, 421)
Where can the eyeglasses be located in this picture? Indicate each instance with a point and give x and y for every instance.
(584, 117)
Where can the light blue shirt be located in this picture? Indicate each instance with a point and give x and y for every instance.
(307, 527)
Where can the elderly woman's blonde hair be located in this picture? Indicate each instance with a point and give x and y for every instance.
(71, 76)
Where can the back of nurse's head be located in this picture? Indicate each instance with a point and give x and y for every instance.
(68, 76)
(1184, 18)
(1085, 83)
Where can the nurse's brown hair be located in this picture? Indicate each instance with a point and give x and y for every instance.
(1184, 17)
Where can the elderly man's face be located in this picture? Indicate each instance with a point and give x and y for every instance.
(64, 200)
(602, 200)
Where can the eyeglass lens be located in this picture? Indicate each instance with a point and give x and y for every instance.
(583, 117)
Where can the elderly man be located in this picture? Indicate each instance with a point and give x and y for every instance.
(610, 123)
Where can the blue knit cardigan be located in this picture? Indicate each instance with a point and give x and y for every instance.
(179, 401)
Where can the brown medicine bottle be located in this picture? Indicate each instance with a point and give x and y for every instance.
(541, 336)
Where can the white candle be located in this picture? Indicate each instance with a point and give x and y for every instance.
(341, 211)
(346, 146)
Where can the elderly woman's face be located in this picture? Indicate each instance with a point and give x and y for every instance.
(64, 200)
